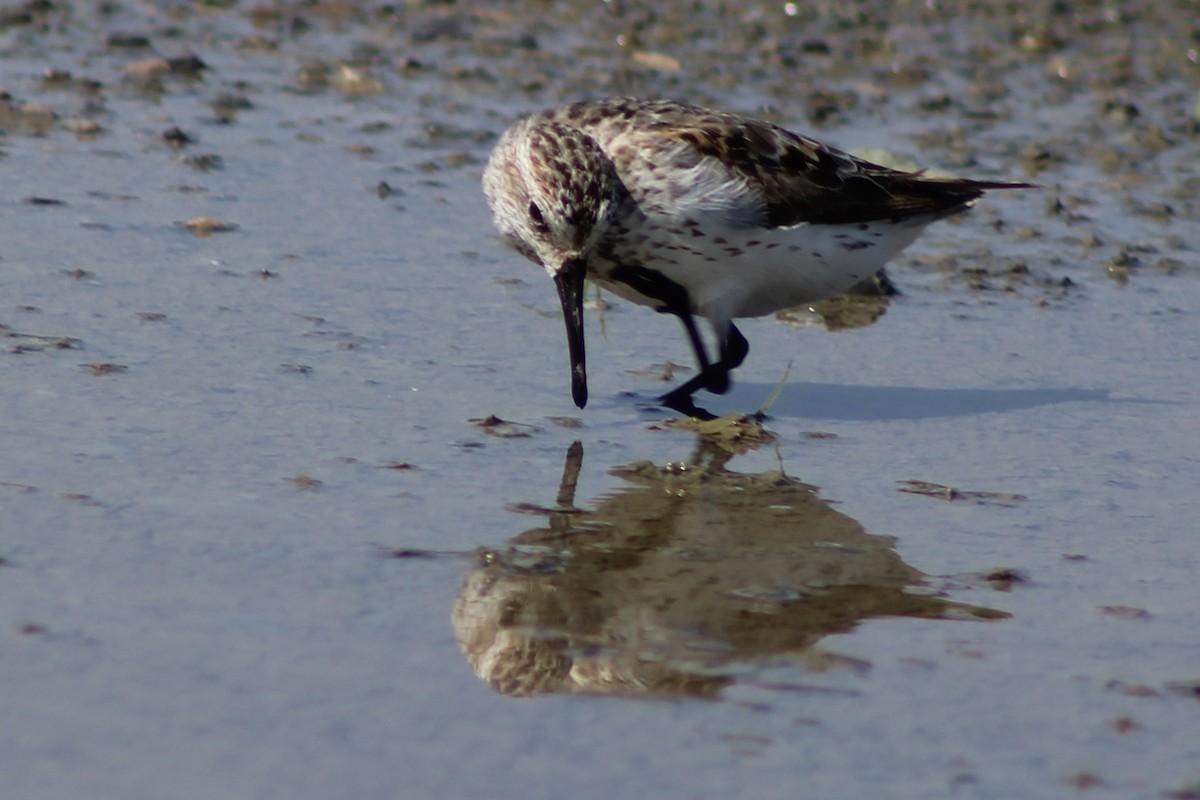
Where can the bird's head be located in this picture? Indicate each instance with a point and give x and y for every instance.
(553, 192)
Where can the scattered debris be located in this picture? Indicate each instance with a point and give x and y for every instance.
(83, 127)
(663, 372)
(660, 62)
(1085, 780)
(949, 493)
(356, 81)
(1186, 688)
(1188, 791)
(1124, 612)
(39, 342)
(1123, 724)
(737, 432)
(175, 137)
(204, 162)
(33, 119)
(304, 482)
(538, 510)
(494, 426)
(1131, 689)
(82, 499)
(104, 368)
(409, 552)
(1003, 579)
(206, 226)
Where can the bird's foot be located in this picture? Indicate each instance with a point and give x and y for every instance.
(684, 404)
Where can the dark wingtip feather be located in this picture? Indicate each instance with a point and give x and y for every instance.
(876, 192)
(972, 185)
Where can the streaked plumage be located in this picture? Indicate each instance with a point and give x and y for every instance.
(700, 213)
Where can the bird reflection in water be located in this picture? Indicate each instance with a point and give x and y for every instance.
(679, 584)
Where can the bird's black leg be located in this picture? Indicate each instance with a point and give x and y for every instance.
(689, 325)
(734, 348)
(675, 300)
(680, 398)
(714, 378)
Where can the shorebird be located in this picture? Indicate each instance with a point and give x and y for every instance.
(700, 213)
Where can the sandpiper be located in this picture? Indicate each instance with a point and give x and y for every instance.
(696, 212)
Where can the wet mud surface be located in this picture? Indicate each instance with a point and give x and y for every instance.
(294, 501)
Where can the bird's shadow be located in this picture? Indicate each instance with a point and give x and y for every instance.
(887, 403)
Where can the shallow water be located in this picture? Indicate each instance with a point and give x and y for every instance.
(216, 447)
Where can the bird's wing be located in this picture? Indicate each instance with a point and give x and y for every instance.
(757, 174)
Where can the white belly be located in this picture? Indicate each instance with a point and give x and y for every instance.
(752, 272)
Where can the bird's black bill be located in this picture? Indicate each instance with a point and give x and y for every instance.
(569, 281)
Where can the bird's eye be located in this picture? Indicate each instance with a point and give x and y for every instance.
(536, 214)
